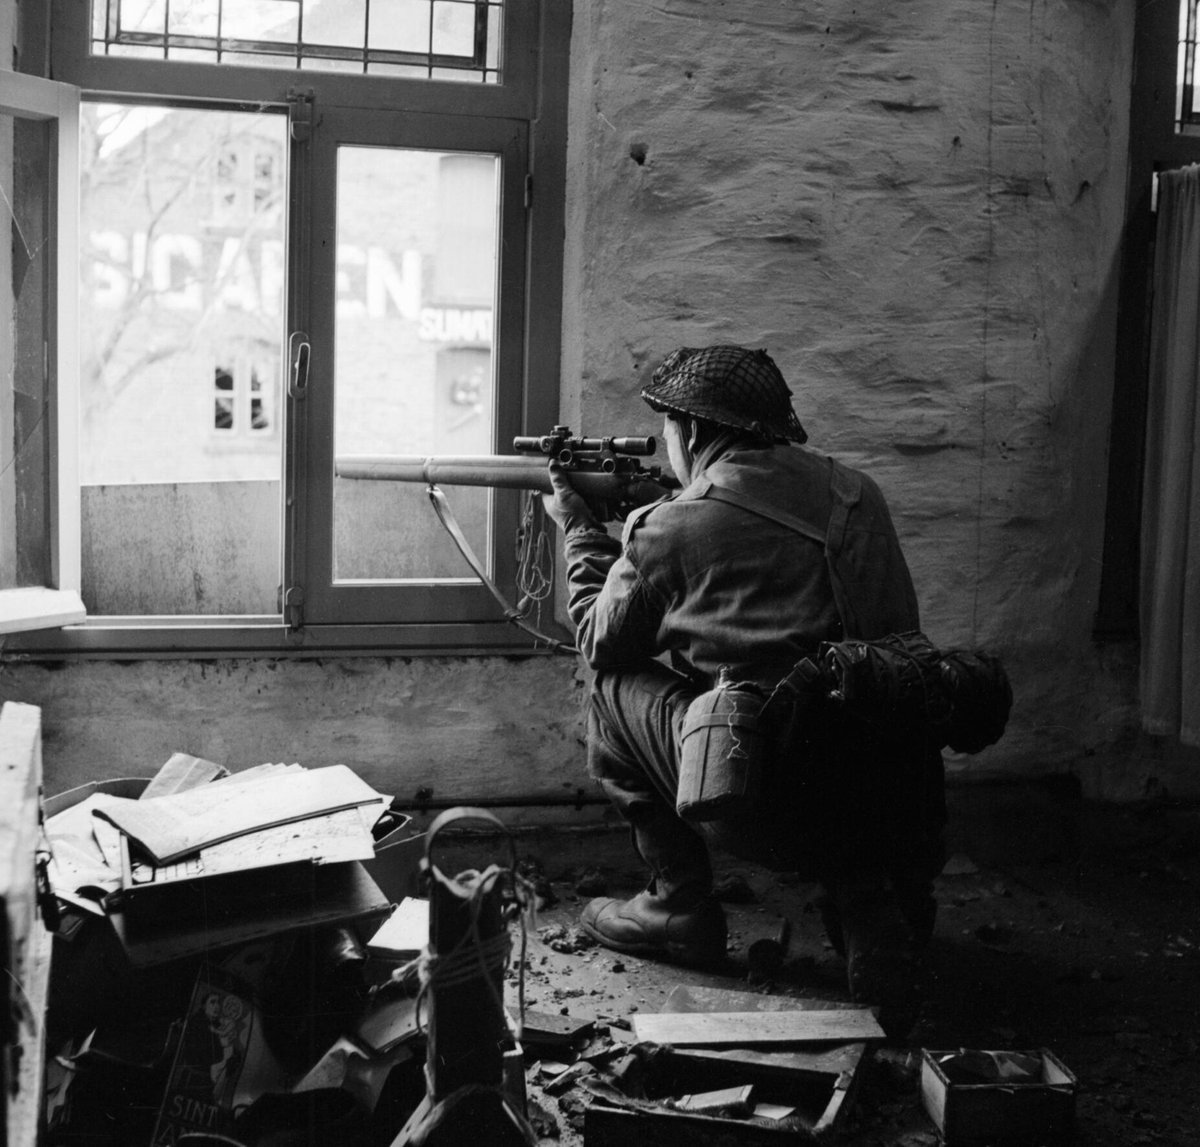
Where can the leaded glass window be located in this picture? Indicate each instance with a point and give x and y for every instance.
(432, 39)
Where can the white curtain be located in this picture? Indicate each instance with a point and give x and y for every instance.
(1170, 563)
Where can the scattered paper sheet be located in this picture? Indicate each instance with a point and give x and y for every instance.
(346, 1066)
(172, 827)
(182, 772)
(405, 932)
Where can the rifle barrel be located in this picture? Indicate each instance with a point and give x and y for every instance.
(505, 470)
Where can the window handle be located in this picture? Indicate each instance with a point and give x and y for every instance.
(300, 351)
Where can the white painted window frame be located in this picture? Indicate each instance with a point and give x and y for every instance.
(46, 607)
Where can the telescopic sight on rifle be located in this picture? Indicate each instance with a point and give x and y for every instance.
(605, 470)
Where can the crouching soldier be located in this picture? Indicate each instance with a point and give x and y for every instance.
(767, 551)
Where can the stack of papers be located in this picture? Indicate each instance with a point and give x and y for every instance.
(191, 859)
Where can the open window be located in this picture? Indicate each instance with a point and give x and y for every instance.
(39, 490)
(306, 228)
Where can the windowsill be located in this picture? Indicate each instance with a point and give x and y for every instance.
(37, 607)
(103, 638)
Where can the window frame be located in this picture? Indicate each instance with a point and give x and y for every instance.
(36, 608)
(532, 95)
(464, 599)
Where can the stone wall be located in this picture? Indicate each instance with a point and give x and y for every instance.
(916, 208)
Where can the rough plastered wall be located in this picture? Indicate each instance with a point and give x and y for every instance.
(459, 727)
(916, 208)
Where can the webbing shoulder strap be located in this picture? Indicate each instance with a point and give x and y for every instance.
(846, 487)
(757, 506)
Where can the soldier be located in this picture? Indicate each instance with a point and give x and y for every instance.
(768, 550)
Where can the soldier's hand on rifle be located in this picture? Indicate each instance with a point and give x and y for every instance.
(566, 505)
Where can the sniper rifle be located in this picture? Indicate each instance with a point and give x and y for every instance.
(605, 471)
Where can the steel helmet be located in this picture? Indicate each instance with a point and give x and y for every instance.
(728, 385)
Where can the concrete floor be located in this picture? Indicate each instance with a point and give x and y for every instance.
(1089, 947)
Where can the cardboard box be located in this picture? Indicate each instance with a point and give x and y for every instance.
(1004, 1112)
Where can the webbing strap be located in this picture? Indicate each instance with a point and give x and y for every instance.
(846, 488)
(756, 506)
(446, 516)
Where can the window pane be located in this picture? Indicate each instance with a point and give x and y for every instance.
(402, 26)
(141, 15)
(453, 28)
(460, 37)
(414, 364)
(195, 18)
(275, 21)
(27, 263)
(1187, 99)
(182, 274)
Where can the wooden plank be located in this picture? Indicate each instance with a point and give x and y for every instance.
(728, 1029)
(699, 998)
(605, 1126)
(816, 1061)
(25, 945)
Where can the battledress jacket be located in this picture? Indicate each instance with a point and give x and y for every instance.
(716, 584)
(713, 583)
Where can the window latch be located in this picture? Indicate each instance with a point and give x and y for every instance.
(300, 115)
(293, 604)
(299, 352)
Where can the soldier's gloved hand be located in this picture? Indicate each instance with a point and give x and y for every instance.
(566, 505)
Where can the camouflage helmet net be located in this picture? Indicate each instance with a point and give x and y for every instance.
(728, 385)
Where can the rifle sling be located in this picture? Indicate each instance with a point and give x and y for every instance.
(446, 516)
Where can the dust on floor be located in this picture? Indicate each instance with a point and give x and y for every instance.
(1094, 955)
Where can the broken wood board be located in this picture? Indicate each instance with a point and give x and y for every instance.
(815, 1061)
(739, 1029)
(605, 1126)
(697, 998)
(555, 1030)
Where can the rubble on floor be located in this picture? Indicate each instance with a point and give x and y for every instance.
(1090, 958)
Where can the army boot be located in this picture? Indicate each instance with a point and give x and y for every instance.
(675, 917)
(883, 965)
